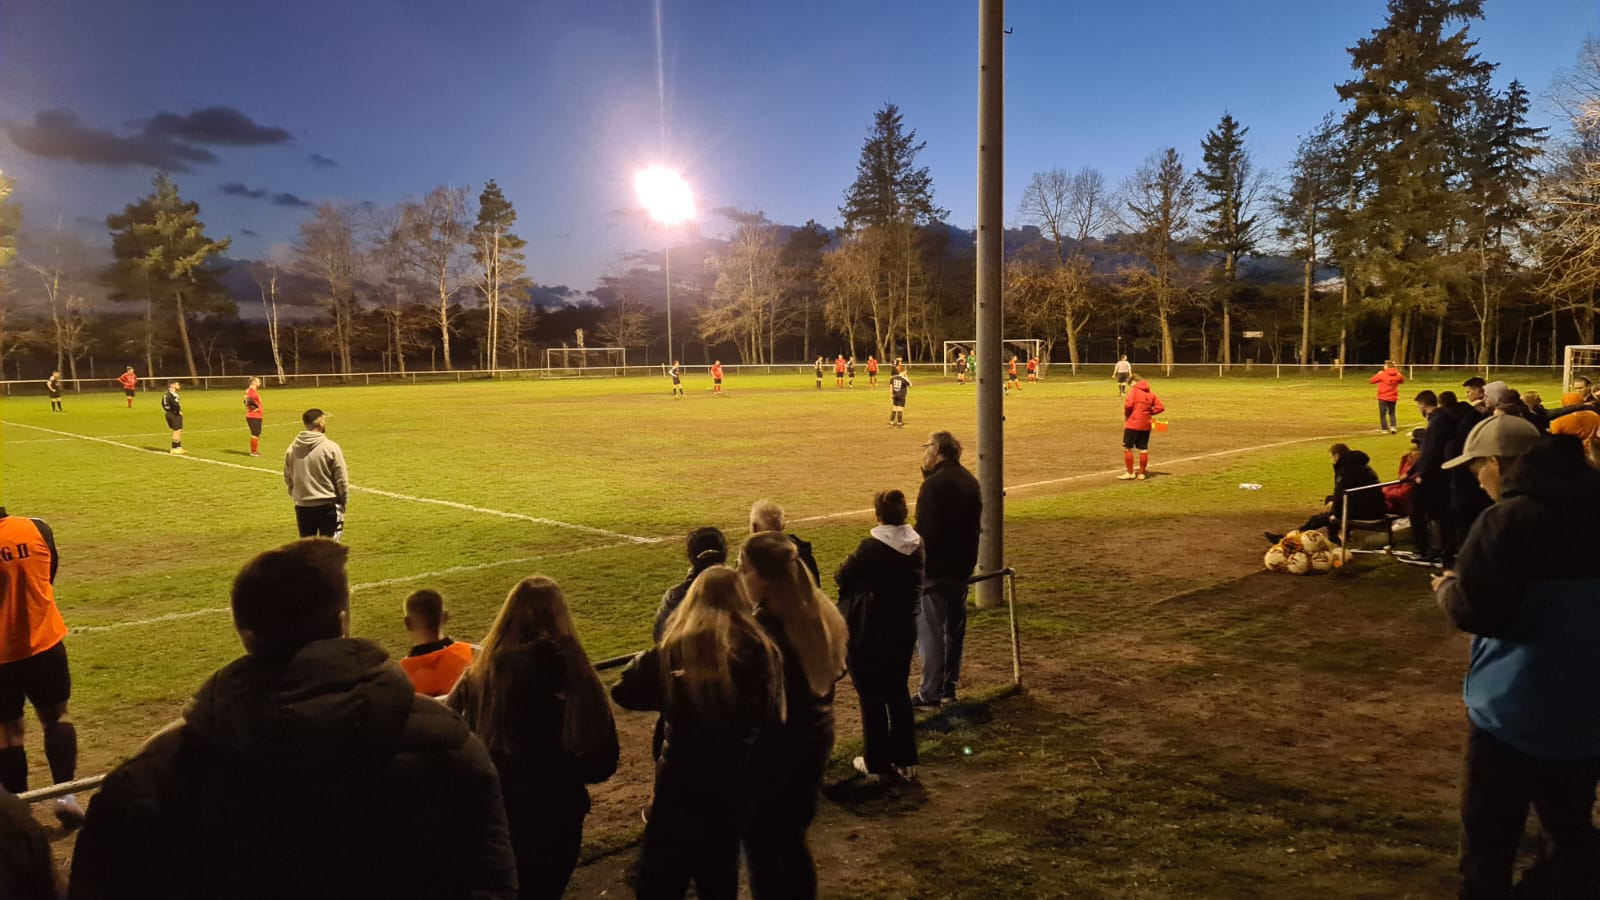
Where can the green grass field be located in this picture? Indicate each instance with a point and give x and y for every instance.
(592, 482)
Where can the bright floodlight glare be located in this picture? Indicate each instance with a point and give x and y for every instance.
(665, 195)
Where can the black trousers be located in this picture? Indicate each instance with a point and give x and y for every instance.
(320, 521)
(1430, 511)
(785, 802)
(546, 836)
(692, 835)
(888, 723)
(1501, 783)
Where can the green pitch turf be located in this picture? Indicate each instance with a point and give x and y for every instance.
(467, 487)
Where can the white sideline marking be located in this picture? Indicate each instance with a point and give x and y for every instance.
(537, 520)
(364, 586)
(153, 435)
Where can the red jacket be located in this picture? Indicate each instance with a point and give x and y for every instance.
(1388, 382)
(128, 380)
(1140, 407)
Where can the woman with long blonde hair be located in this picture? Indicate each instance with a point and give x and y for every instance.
(789, 761)
(717, 680)
(533, 697)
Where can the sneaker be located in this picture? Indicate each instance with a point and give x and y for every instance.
(69, 812)
(178, 451)
(1140, 476)
(920, 702)
(949, 695)
(255, 454)
(644, 814)
(867, 776)
(909, 773)
(1125, 476)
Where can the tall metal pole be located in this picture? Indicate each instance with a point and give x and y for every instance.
(666, 252)
(991, 222)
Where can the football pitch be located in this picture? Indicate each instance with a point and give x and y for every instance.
(467, 487)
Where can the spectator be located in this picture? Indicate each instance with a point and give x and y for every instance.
(1584, 425)
(1351, 469)
(318, 480)
(33, 660)
(1475, 394)
(1388, 381)
(718, 680)
(790, 759)
(948, 507)
(1574, 401)
(707, 547)
(1530, 604)
(880, 587)
(436, 662)
(1430, 502)
(766, 515)
(1537, 414)
(534, 699)
(1397, 497)
(27, 868)
(309, 767)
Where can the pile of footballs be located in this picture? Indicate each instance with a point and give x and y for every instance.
(1304, 553)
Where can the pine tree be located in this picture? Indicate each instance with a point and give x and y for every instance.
(1406, 129)
(498, 255)
(163, 255)
(1160, 198)
(1229, 228)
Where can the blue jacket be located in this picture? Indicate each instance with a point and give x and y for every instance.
(1527, 590)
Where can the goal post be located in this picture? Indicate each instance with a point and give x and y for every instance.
(1580, 359)
(1024, 348)
(572, 362)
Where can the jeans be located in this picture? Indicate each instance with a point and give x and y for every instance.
(1386, 420)
(1501, 782)
(941, 630)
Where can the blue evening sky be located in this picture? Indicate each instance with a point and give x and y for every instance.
(766, 102)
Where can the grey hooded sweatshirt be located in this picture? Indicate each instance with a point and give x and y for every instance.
(314, 471)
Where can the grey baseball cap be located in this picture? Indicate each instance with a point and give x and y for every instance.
(1497, 436)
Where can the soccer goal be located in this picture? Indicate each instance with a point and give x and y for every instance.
(574, 362)
(1024, 348)
(1581, 359)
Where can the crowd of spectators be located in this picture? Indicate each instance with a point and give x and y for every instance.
(315, 766)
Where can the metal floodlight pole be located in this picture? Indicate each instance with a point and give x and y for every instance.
(991, 224)
(667, 256)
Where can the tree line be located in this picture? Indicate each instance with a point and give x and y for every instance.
(1424, 220)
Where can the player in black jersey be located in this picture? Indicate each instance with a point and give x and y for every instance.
(819, 365)
(53, 387)
(677, 379)
(850, 371)
(173, 408)
(899, 384)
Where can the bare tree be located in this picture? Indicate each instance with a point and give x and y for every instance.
(743, 306)
(1159, 198)
(330, 251)
(58, 263)
(436, 231)
(1066, 208)
(267, 283)
(849, 283)
(626, 324)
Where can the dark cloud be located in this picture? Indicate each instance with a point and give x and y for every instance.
(59, 134)
(246, 232)
(216, 125)
(238, 189)
(166, 141)
(318, 161)
(282, 198)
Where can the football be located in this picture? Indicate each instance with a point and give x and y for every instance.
(1299, 563)
(1322, 561)
(1276, 560)
(1313, 541)
(1290, 542)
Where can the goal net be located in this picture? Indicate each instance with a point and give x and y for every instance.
(1580, 359)
(1023, 348)
(573, 362)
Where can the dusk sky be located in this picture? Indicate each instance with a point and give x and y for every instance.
(766, 103)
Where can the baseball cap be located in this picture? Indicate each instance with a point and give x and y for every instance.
(311, 416)
(1497, 436)
(1474, 381)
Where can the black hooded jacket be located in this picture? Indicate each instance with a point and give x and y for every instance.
(321, 773)
(1354, 470)
(948, 508)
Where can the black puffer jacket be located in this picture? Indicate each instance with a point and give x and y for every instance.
(317, 774)
(948, 506)
(1354, 470)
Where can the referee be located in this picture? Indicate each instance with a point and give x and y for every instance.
(33, 659)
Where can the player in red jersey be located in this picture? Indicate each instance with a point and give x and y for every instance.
(130, 384)
(872, 372)
(838, 371)
(1033, 368)
(1012, 384)
(252, 415)
(716, 377)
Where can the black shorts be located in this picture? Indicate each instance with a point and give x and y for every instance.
(716, 381)
(320, 521)
(174, 422)
(676, 381)
(129, 392)
(1122, 377)
(54, 395)
(255, 427)
(42, 679)
(899, 401)
(1135, 440)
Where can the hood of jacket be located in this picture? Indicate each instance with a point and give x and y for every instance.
(1141, 385)
(903, 539)
(1353, 459)
(306, 441)
(329, 704)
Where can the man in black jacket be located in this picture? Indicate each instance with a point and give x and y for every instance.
(948, 505)
(306, 768)
(1430, 502)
